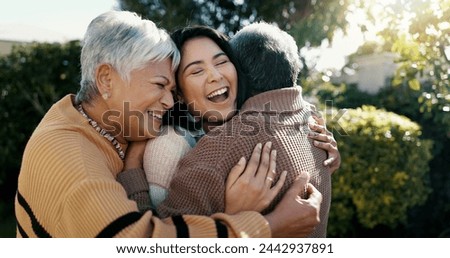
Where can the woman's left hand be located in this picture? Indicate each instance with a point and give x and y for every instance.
(324, 139)
(250, 185)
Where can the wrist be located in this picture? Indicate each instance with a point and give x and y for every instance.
(273, 224)
(132, 165)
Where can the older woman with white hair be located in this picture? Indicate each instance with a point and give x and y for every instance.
(68, 186)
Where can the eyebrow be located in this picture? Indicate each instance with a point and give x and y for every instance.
(167, 80)
(199, 62)
(162, 77)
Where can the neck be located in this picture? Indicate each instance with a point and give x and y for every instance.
(98, 111)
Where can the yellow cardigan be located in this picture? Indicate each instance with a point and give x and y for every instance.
(67, 188)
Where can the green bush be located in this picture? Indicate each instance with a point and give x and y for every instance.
(384, 170)
(32, 78)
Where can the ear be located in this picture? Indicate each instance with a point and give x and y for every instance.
(103, 79)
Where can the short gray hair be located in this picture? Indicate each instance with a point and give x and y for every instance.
(126, 42)
(268, 56)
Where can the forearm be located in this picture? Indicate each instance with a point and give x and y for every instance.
(244, 224)
(135, 184)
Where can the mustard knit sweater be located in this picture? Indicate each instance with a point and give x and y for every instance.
(67, 188)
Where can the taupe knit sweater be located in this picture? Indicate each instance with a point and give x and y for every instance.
(279, 116)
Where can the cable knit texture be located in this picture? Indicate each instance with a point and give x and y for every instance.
(279, 116)
(67, 188)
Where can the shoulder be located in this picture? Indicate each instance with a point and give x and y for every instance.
(162, 153)
(170, 140)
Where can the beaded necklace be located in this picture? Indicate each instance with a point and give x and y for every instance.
(103, 133)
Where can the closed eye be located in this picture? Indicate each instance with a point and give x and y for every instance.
(197, 71)
(222, 62)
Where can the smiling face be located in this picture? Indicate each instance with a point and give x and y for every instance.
(208, 80)
(143, 100)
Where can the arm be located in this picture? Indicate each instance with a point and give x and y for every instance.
(243, 224)
(324, 139)
(149, 187)
(161, 157)
(199, 185)
(108, 213)
(133, 178)
(294, 216)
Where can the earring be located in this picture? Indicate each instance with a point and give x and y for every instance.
(105, 96)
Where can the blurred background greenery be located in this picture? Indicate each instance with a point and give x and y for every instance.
(393, 137)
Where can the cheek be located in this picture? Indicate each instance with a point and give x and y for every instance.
(192, 91)
(232, 77)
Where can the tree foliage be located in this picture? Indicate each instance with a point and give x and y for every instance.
(383, 173)
(32, 78)
(424, 55)
(309, 21)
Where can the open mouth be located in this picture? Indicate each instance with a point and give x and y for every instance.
(219, 95)
(155, 115)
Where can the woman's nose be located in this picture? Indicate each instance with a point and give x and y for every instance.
(167, 100)
(214, 75)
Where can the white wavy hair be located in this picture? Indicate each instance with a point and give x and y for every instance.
(126, 42)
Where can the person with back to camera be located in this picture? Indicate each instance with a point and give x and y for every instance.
(273, 111)
(200, 101)
(67, 184)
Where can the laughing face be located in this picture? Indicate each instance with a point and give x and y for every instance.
(208, 80)
(143, 100)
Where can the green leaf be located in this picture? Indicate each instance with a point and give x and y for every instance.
(414, 84)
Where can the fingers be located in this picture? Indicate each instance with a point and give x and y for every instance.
(298, 187)
(327, 143)
(318, 128)
(235, 172)
(271, 172)
(277, 187)
(260, 160)
(253, 163)
(319, 120)
(265, 163)
(329, 161)
(313, 194)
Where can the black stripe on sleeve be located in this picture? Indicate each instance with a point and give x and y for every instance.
(181, 226)
(38, 229)
(222, 231)
(22, 232)
(119, 224)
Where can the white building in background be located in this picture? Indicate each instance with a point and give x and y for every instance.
(370, 72)
(7, 45)
(14, 34)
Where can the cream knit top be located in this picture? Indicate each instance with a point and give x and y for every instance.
(67, 188)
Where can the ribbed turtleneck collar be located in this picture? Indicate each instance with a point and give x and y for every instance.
(286, 99)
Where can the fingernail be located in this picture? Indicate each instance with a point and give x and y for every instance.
(259, 146)
(316, 143)
(269, 145)
(274, 153)
(241, 161)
